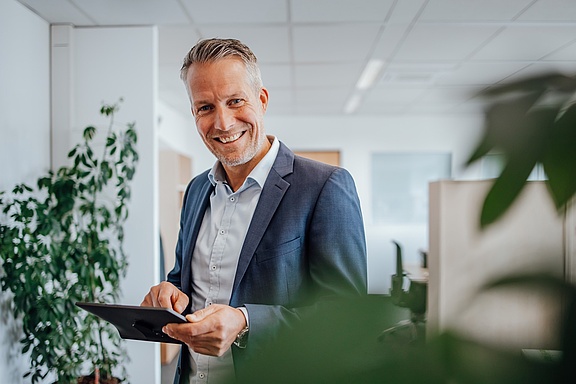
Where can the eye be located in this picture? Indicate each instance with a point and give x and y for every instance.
(236, 101)
(203, 109)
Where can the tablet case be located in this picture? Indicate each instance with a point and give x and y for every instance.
(135, 322)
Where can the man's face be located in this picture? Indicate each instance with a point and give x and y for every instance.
(228, 110)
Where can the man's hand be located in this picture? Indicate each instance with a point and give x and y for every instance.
(210, 331)
(166, 295)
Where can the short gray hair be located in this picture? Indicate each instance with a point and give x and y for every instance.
(210, 50)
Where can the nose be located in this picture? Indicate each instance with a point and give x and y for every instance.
(224, 119)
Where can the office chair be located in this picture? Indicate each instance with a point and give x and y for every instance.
(414, 329)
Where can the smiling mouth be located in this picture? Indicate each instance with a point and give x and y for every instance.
(229, 139)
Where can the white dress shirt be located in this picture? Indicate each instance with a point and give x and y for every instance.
(217, 250)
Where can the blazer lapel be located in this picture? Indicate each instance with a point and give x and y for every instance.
(274, 189)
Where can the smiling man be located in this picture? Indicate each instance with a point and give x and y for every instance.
(265, 236)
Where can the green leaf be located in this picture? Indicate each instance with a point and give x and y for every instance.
(559, 160)
(89, 133)
(505, 189)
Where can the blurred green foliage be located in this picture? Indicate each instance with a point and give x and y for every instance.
(341, 344)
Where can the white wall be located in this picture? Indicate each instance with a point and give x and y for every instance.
(24, 134)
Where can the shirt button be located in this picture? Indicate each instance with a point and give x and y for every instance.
(222, 231)
(232, 198)
(213, 267)
(201, 375)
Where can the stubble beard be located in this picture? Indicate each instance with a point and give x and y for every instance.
(248, 154)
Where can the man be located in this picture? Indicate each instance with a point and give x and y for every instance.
(264, 235)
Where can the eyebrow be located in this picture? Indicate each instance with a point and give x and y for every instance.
(236, 95)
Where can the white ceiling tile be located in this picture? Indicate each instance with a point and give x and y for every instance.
(389, 41)
(320, 100)
(340, 10)
(55, 11)
(520, 42)
(328, 95)
(394, 95)
(127, 12)
(232, 11)
(271, 44)
(479, 73)
(405, 12)
(346, 42)
(322, 75)
(468, 10)
(443, 42)
(449, 94)
(551, 10)
(567, 52)
(276, 76)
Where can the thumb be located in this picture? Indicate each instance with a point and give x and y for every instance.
(201, 314)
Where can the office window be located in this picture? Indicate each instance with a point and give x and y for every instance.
(400, 185)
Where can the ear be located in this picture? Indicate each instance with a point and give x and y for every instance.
(264, 98)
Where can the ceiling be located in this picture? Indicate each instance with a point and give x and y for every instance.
(435, 54)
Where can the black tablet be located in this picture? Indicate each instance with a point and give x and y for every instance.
(135, 322)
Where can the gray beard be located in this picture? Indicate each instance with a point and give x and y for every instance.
(246, 157)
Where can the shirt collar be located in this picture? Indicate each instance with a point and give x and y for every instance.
(260, 172)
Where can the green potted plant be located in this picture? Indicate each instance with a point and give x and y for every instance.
(61, 241)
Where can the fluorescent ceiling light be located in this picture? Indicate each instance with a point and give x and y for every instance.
(352, 104)
(370, 74)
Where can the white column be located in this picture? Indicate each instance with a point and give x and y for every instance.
(62, 96)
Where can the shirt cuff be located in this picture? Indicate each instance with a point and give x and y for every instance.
(245, 312)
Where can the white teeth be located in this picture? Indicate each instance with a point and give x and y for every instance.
(230, 138)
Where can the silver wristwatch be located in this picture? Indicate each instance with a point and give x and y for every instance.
(242, 338)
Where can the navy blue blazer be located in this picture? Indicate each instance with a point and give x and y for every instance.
(305, 243)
